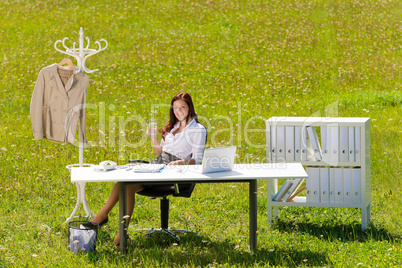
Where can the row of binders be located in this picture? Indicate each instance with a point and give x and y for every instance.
(297, 143)
(333, 185)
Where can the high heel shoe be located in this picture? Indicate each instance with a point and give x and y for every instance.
(93, 225)
(104, 221)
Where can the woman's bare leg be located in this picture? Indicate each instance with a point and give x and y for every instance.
(131, 189)
(110, 203)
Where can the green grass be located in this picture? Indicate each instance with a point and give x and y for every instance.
(243, 62)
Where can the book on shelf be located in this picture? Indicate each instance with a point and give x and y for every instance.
(293, 188)
(290, 199)
(285, 186)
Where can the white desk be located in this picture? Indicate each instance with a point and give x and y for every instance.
(191, 174)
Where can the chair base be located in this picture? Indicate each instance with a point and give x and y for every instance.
(169, 231)
(165, 229)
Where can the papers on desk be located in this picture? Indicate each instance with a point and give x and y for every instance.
(148, 168)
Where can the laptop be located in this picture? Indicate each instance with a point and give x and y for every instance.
(218, 159)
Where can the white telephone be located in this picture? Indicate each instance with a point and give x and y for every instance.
(106, 165)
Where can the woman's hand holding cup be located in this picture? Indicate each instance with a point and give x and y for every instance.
(152, 130)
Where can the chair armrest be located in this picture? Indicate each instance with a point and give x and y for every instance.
(138, 161)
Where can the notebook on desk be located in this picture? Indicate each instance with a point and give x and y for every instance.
(218, 159)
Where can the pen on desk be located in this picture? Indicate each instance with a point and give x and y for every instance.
(160, 170)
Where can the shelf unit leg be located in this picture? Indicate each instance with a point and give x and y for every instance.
(272, 212)
(269, 214)
(275, 212)
(366, 211)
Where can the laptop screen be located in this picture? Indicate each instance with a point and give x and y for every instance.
(218, 159)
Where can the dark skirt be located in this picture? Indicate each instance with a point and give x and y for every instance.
(152, 190)
(165, 158)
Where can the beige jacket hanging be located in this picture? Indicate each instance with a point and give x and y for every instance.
(56, 109)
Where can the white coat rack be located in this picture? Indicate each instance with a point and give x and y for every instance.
(81, 54)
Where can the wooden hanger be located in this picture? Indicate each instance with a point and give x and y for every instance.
(67, 61)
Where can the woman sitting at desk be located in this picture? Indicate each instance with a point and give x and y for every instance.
(183, 143)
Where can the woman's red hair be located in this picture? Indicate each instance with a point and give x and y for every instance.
(173, 120)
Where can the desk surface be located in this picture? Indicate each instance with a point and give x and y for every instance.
(192, 173)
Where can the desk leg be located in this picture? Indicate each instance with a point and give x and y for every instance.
(253, 213)
(122, 220)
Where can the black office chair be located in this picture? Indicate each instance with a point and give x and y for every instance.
(162, 192)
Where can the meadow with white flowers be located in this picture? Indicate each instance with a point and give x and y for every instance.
(243, 62)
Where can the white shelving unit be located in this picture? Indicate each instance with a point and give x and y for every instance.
(336, 155)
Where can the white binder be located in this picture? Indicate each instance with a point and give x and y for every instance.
(273, 143)
(351, 146)
(308, 185)
(324, 184)
(357, 144)
(304, 138)
(325, 138)
(332, 189)
(334, 145)
(290, 143)
(347, 185)
(315, 185)
(268, 139)
(344, 144)
(315, 145)
(280, 143)
(356, 172)
(338, 185)
(298, 144)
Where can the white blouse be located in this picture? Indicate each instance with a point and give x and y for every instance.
(188, 144)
